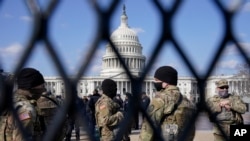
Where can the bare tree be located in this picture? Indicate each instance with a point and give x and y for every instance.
(243, 70)
(244, 73)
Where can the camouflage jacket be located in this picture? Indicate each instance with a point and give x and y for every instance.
(107, 117)
(27, 113)
(48, 106)
(162, 112)
(227, 117)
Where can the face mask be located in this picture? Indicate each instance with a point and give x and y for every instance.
(36, 93)
(158, 86)
(113, 92)
(223, 94)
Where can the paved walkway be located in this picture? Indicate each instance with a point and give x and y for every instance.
(203, 130)
(200, 135)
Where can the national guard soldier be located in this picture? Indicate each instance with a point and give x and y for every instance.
(30, 83)
(107, 113)
(226, 108)
(169, 109)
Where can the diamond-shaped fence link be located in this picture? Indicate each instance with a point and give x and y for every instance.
(40, 29)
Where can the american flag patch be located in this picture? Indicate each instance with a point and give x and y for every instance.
(102, 107)
(24, 116)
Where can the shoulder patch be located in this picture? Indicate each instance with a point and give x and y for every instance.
(24, 116)
(102, 106)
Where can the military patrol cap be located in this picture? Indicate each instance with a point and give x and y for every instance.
(167, 74)
(29, 78)
(222, 82)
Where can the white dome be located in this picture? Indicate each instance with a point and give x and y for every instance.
(127, 43)
(123, 32)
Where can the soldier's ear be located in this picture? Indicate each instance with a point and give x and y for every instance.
(164, 84)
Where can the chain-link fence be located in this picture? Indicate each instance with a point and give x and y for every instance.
(40, 31)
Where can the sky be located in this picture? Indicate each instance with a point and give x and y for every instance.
(198, 27)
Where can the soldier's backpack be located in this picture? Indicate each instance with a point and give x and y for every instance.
(48, 106)
(6, 127)
(171, 130)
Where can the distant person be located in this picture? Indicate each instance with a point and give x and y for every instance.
(59, 99)
(145, 100)
(169, 108)
(126, 110)
(74, 119)
(85, 99)
(119, 101)
(127, 101)
(136, 120)
(91, 108)
(226, 108)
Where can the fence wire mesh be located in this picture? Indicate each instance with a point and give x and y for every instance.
(40, 33)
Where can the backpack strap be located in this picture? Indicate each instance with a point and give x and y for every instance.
(52, 100)
(175, 107)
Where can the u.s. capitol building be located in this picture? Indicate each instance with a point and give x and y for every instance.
(128, 45)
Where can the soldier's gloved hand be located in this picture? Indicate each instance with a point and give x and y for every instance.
(119, 115)
(228, 107)
(224, 102)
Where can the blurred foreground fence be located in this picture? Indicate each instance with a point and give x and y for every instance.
(40, 34)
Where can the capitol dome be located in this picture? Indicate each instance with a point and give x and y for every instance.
(127, 43)
(124, 32)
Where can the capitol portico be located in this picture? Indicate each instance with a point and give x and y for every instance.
(127, 44)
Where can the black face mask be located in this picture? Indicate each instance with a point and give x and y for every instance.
(158, 86)
(36, 93)
(112, 93)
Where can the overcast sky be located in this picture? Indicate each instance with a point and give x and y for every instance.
(198, 27)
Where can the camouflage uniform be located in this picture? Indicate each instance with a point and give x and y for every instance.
(30, 86)
(226, 108)
(163, 104)
(224, 116)
(28, 115)
(107, 117)
(48, 105)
